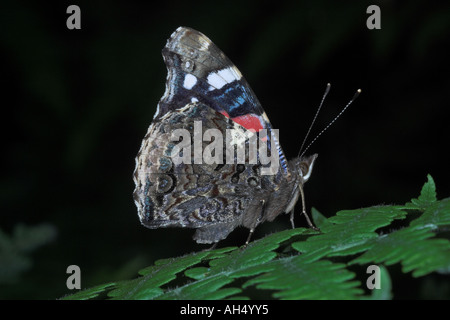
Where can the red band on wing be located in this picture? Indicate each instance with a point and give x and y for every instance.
(248, 121)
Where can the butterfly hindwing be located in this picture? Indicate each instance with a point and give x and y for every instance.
(194, 195)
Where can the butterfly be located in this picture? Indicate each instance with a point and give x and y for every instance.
(205, 89)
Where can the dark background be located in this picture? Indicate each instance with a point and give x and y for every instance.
(77, 103)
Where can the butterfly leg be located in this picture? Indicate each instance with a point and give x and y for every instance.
(310, 224)
(212, 247)
(292, 218)
(249, 237)
(257, 222)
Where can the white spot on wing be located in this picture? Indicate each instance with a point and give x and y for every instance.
(222, 77)
(189, 81)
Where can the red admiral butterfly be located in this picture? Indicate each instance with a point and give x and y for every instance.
(204, 88)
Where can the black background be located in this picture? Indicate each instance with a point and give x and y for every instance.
(77, 103)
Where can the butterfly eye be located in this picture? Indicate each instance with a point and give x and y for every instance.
(306, 166)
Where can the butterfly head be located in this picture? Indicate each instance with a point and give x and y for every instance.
(304, 167)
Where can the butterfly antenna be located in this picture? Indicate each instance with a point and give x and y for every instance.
(329, 125)
(315, 116)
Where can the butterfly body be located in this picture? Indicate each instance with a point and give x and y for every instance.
(205, 91)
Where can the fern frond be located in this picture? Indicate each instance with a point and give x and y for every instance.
(344, 233)
(412, 247)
